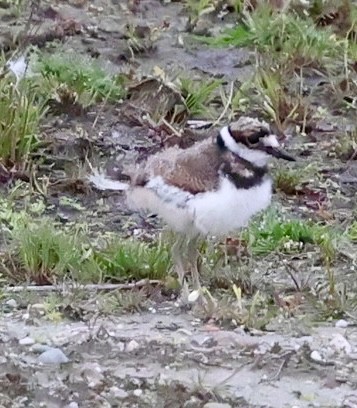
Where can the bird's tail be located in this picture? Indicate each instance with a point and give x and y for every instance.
(102, 182)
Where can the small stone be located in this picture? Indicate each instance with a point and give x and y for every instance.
(138, 392)
(315, 355)
(27, 341)
(52, 356)
(341, 344)
(11, 303)
(40, 348)
(193, 296)
(341, 323)
(132, 345)
(216, 405)
(118, 393)
(203, 341)
(73, 404)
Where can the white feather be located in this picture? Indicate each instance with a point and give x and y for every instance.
(256, 157)
(168, 193)
(102, 182)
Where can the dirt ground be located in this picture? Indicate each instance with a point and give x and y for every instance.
(166, 356)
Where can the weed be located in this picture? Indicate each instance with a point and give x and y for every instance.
(198, 95)
(43, 254)
(288, 180)
(275, 101)
(352, 232)
(123, 301)
(79, 76)
(276, 34)
(346, 146)
(274, 234)
(128, 259)
(197, 8)
(20, 116)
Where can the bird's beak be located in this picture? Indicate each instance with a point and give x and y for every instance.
(279, 153)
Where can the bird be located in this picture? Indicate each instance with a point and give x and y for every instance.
(212, 188)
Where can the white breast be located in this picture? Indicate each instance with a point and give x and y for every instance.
(211, 213)
(228, 208)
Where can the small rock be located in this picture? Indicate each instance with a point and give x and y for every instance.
(138, 392)
(132, 345)
(118, 393)
(203, 341)
(40, 348)
(315, 355)
(341, 323)
(73, 404)
(216, 405)
(193, 296)
(341, 344)
(27, 341)
(52, 356)
(11, 303)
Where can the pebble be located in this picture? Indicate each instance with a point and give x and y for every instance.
(52, 356)
(216, 405)
(40, 348)
(341, 323)
(73, 404)
(11, 303)
(27, 341)
(132, 345)
(138, 392)
(341, 344)
(315, 355)
(118, 393)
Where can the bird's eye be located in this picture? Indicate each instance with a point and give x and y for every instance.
(255, 137)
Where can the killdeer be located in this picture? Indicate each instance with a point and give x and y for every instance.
(211, 188)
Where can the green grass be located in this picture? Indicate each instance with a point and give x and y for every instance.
(273, 234)
(21, 113)
(278, 34)
(81, 76)
(352, 232)
(198, 94)
(44, 252)
(130, 259)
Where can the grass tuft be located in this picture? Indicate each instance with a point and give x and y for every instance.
(20, 117)
(81, 76)
(198, 95)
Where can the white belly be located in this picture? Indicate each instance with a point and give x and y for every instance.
(228, 209)
(214, 213)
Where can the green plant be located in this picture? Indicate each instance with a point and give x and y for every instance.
(20, 116)
(77, 75)
(346, 146)
(198, 95)
(274, 98)
(129, 259)
(196, 8)
(42, 253)
(352, 231)
(288, 180)
(272, 233)
(276, 34)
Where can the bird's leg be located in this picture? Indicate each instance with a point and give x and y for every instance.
(193, 254)
(177, 257)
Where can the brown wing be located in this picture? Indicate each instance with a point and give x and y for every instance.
(193, 170)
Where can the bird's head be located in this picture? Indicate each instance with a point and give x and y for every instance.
(253, 140)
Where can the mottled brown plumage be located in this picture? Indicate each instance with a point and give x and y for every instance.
(182, 169)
